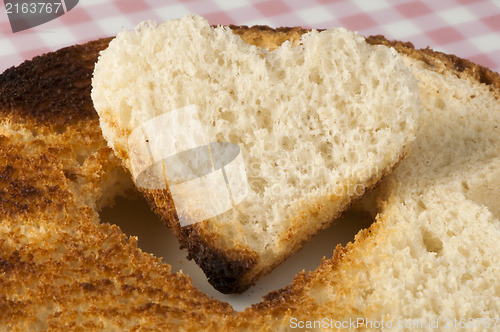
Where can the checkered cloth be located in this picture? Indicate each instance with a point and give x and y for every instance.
(467, 28)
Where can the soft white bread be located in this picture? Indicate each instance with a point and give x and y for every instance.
(432, 253)
(316, 123)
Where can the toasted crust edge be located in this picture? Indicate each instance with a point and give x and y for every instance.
(223, 268)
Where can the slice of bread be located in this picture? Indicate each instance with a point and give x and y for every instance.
(60, 269)
(316, 124)
(430, 261)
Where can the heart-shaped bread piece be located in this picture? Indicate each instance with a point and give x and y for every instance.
(314, 124)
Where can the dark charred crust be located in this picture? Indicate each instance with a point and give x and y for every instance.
(53, 88)
(225, 268)
(242, 29)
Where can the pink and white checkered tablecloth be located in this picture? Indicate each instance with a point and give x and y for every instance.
(467, 28)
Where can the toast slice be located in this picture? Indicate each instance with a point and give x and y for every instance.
(430, 261)
(316, 125)
(60, 268)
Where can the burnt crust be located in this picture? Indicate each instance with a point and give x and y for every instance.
(225, 268)
(37, 90)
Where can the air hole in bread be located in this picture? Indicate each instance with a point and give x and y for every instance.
(464, 252)
(315, 77)
(440, 104)
(325, 148)
(228, 116)
(80, 158)
(281, 75)
(257, 184)
(450, 233)
(466, 277)
(431, 242)
(485, 190)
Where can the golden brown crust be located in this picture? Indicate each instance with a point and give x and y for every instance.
(269, 38)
